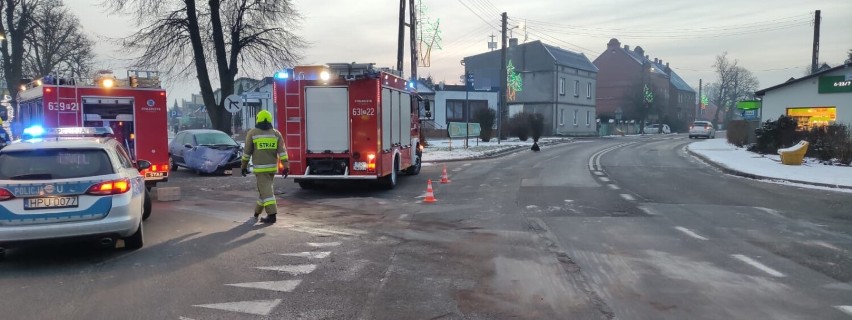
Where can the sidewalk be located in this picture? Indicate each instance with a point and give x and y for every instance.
(737, 161)
(441, 150)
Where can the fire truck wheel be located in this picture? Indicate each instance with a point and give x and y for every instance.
(146, 206)
(172, 165)
(389, 181)
(415, 169)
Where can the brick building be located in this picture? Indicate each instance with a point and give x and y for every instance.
(623, 75)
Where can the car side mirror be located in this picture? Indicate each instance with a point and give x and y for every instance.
(188, 146)
(143, 165)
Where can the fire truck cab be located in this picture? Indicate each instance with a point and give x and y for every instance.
(346, 121)
(135, 108)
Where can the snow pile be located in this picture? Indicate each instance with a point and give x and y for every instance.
(442, 149)
(739, 159)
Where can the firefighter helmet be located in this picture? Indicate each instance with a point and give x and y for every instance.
(264, 116)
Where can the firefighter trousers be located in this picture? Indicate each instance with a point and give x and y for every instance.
(266, 198)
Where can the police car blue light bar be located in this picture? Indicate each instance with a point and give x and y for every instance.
(34, 131)
(80, 132)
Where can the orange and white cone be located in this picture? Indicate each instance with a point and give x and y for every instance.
(444, 178)
(430, 196)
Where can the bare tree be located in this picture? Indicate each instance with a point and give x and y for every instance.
(16, 24)
(734, 83)
(57, 44)
(189, 38)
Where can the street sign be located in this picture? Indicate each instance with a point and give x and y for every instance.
(233, 103)
(460, 130)
(257, 95)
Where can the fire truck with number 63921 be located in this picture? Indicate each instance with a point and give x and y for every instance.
(135, 108)
(345, 121)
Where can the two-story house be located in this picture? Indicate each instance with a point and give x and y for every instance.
(557, 83)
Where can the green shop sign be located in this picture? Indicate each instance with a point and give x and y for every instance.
(834, 84)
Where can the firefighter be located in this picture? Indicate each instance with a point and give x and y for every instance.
(265, 147)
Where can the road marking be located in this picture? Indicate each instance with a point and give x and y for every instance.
(309, 254)
(648, 211)
(845, 309)
(599, 173)
(295, 270)
(185, 318)
(323, 244)
(320, 231)
(628, 197)
(403, 216)
(280, 286)
(690, 233)
(466, 164)
(613, 187)
(762, 267)
(457, 169)
(257, 307)
(825, 245)
(568, 200)
(604, 179)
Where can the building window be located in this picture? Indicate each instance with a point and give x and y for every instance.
(575, 116)
(561, 117)
(562, 86)
(456, 111)
(576, 88)
(588, 118)
(588, 90)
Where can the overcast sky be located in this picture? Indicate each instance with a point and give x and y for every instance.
(772, 38)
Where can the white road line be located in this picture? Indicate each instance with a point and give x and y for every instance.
(604, 179)
(845, 309)
(403, 216)
(295, 269)
(613, 187)
(466, 164)
(320, 231)
(648, 211)
(826, 245)
(599, 173)
(323, 244)
(457, 169)
(280, 286)
(185, 318)
(628, 197)
(257, 307)
(308, 254)
(690, 233)
(762, 267)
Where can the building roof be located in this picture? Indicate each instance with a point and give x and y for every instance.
(569, 58)
(676, 80)
(792, 81)
(659, 67)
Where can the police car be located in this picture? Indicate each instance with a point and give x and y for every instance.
(71, 183)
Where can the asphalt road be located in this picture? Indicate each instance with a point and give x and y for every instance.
(627, 228)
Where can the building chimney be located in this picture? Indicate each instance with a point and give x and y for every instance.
(646, 58)
(626, 47)
(513, 42)
(613, 43)
(667, 65)
(656, 60)
(639, 50)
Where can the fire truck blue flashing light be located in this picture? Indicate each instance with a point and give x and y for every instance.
(34, 131)
(282, 75)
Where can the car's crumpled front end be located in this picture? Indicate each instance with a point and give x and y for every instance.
(211, 159)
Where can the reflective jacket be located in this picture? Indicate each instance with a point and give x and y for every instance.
(265, 148)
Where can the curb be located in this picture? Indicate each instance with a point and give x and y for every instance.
(743, 174)
(506, 151)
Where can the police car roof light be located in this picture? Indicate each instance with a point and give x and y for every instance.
(34, 131)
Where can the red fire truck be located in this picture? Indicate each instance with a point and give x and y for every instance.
(348, 121)
(135, 108)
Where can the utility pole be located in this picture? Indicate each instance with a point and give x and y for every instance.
(815, 58)
(700, 101)
(401, 41)
(503, 80)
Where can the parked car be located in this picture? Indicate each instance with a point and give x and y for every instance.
(702, 129)
(655, 128)
(204, 151)
(83, 187)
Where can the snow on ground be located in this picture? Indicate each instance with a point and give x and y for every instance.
(770, 166)
(442, 149)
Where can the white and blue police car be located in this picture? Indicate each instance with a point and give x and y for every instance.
(71, 184)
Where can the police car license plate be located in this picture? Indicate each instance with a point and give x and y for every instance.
(154, 174)
(50, 203)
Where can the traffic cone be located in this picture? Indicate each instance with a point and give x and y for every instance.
(444, 178)
(430, 196)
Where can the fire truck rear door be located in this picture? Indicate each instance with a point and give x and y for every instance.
(327, 119)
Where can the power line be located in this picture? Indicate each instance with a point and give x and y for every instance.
(477, 15)
(631, 35)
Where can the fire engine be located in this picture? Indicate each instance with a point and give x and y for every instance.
(135, 108)
(346, 121)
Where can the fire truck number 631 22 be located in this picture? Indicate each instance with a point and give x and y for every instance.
(62, 106)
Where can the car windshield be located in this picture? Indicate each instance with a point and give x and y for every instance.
(214, 138)
(46, 164)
